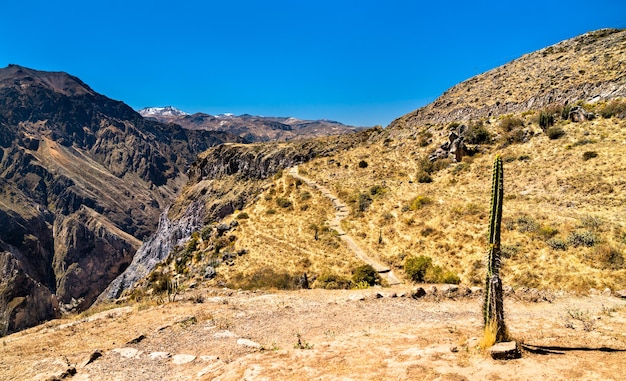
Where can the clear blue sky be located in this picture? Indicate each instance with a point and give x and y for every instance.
(359, 62)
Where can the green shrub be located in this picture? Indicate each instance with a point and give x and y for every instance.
(284, 202)
(278, 174)
(450, 277)
(363, 164)
(424, 178)
(363, 201)
(366, 273)
(243, 216)
(419, 202)
(416, 267)
(377, 190)
(557, 244)
(583, 238)
(546, 232)
(589, 155)
(270, 211)
(555, 132)
(615, 108)
(526, 224)
(332, 281)
(511, 123)
(477, 134)
(306, 195)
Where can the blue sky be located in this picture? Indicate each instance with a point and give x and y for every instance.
(359, 62)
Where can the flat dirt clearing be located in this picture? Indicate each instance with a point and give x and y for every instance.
(343, 335)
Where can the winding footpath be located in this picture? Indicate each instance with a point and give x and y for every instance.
(341, 212)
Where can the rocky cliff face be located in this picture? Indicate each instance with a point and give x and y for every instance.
(83, 179)
(590, 68)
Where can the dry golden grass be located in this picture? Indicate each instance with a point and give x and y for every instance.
(283, 238)
(547, 182)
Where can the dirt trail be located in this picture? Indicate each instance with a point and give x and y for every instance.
(341, 212)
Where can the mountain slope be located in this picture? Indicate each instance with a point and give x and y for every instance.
(590, 67)
(84, 179)
(421, 187)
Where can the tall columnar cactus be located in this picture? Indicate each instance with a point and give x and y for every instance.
(493, 309)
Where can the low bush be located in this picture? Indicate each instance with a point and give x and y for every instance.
(421, 269)
(243, 216)
(424, 178)
(511, 123)
(589, 155)
(582, 238)
(367, 274)
(363, 164)
(419, 202)
(555, 132)
(416, 267)
(284, 202)
(557, 244)
(332, 281)
(615, 108)
(477, 134)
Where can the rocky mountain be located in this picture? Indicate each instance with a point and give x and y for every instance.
(249, 127)
(590, 67)
(83, 180)
(161, 112)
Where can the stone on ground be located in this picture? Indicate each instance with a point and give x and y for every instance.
(505, 351)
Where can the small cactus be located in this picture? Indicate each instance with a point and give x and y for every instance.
(493, 309)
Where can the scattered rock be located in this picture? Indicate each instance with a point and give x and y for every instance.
(183, 359)
(508, 290)
(449, 289)
(621, 294)
(418, 293)
(578, 114)
(505, 351)
(476, 290)
(607, 292)
(126, 352)
(432, 290)
(593, 291)
(248, 343)
(92, 357)
(224, 334)
(159, 355)
(378, 295)
(136, 340)
(209, 358)
(209, 272)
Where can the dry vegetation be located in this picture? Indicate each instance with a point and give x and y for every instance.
(562, 214)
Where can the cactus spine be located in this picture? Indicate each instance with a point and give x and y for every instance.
(493, 309)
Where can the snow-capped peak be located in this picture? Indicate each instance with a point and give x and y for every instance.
(161, 111)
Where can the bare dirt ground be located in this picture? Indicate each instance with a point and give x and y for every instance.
(322, 335)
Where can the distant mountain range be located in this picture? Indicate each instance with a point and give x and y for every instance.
(252, 128)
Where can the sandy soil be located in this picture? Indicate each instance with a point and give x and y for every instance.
(374, 334)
